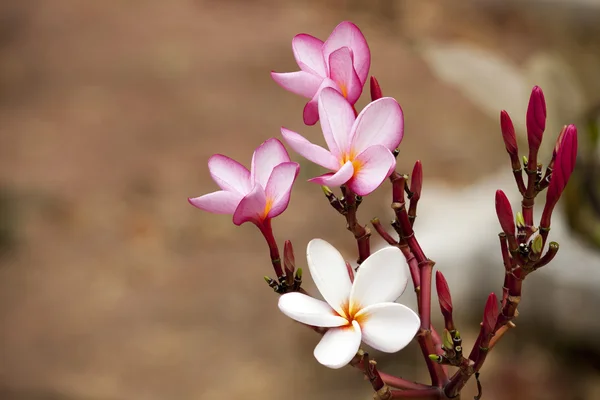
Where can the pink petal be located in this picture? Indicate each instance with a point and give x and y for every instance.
(221, 202)
(328, 270)
(279, 187)
(252, 207)
(338, 346)
(311, 110)
(347, 34)
(380, 122)
(342, 176)
(310, 311)
(337, 117)
(342, 71)
(310, 151)
(266, 157)
(382, 277)
(308, 54)
(388, 327)
(229, 174)
(300, 82)
(372, 166)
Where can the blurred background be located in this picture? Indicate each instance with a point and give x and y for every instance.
(112, 287)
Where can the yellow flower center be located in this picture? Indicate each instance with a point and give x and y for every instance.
(350, 311)
(268, 206)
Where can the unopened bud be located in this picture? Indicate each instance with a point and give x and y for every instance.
(564, 164)
(508, 133)
(326, 191)
(416, 180)
(558, 141)
(350, 271)
(520, 220)
(299, 273)
(443, 292)
(504, 212)
(447, 340)
(435, 358)
(537, 244)
(289, 263)
(536, 119)
(375, 89)
(490, 314)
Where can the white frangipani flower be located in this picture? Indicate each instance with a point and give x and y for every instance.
(354, 312)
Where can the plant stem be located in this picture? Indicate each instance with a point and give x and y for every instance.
(267, 231)
(361, 233)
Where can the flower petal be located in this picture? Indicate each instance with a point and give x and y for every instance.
(310, 311)
(347, 34)
(310, 151)
(388, 327)
(300, 82)
(337, 117)
(338, 346)
(380, 122)
(328, 270)
(372, 166)
(342, 176)
(229, 174)
(308, 53)
(221, 202)
(382, 277)
(343, 73)
(252, 207)
(311, 109)
(266, 157)
(279, 187)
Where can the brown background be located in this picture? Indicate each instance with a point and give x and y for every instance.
(113, 288)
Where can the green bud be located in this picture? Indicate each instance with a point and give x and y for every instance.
(537, 244)
(520, 220)
(447, 338)
(267, 279)
(299, 273)
(326, 190)
(525, 161)
(435, 358)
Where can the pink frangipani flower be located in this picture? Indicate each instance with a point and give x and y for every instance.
(342, 62)
(360, 148)
(363, 310)
(256, 195)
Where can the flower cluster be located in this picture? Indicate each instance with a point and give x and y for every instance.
(361, 154)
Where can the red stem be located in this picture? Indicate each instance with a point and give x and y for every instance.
(267, 231)
(431, 394)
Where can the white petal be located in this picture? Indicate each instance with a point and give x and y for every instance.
(310, 311)
(338, 346)
(388, 327)
(382, 277)
(328, 270)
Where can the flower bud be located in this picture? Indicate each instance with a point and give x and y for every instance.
(508, 134)
(520, 220)
(350, 271)
(504, 212)
(564, 164)
(447, 340)
(536, 119)
(558, 141)
(443, 292)
(375, 89)
(416, 180)
(537, 244)
(490, 315)
(289, 262)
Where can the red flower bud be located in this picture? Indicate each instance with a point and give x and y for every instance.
(564, 164)
(416, 180)
(490, 315)
(375, 89)
(508, 134)
(443, 292)
(289, 261)
(536, 119)
(557, 145)
(350, 271)
(504, 212)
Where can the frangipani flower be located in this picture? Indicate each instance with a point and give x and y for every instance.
(360, 148)
(256, 195)
(354, 312)
(342, 62)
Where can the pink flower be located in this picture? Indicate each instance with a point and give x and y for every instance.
(359, 147)
(253, 196)
(342, 62)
